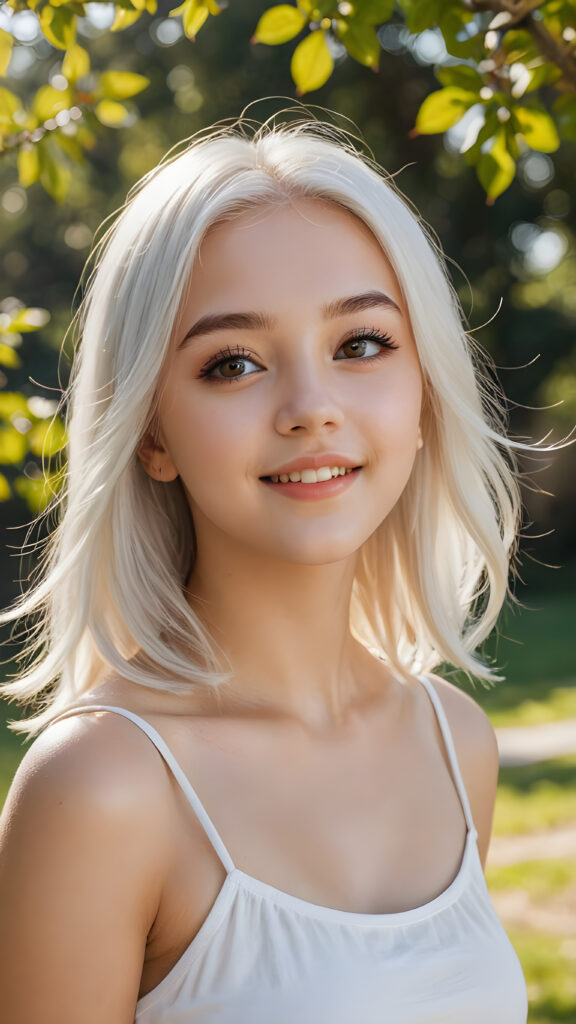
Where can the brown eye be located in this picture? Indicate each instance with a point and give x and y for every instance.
(235, 367)
(354, 347)
(229, 365)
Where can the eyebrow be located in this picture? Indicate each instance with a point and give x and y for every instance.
(213, 322)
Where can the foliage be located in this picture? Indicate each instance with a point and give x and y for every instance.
(509, 68)
(31, 433)
(190, 86)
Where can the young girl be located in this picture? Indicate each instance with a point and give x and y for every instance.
(289, 498)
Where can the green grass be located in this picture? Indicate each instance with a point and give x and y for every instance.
(557, 704)
(549, 965)
(543, 879)
(533, 648)
(536, 796)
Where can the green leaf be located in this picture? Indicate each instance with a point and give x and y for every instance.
(123, 19)
(543, 74)
(12, 403)
(120, 85)
(48, 101)
(517, 45)
(76, 63)
(59, 26)
(452, 21)
(39, 491)
(110, 113)
(312, 63)
(373, 12)
(6, 41)
(538, 128)
(316, 9)
(71, 146)
(279, 25)
(361, 42)
(461, 75)
(47, 437)
(9, 105)
(29, 319)
(8, 357)
(55, 175)
(13, 446)
(5, 491)
(194, 14)
(496, 169)
(565, 110)
(443, 109)
(28, 165)
(419, 14)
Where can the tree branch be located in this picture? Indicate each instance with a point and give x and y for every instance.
(521, 13)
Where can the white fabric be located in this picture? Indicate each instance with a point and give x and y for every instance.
(263, 956)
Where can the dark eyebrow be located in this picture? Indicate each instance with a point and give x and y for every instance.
(258, 321)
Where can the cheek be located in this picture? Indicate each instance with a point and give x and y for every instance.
(393, 408)
(206, 439)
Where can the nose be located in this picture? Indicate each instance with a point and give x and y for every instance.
(307, 404)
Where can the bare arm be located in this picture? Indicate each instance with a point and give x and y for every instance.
(81, 861)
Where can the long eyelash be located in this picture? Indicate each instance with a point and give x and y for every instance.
(371, 334)
(237, 352)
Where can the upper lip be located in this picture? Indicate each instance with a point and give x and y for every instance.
(315, 462)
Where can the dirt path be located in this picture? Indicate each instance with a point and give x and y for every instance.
(528, 744)
(556, 842)
(517, 907)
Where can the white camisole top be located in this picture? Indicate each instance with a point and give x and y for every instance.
(263, 956)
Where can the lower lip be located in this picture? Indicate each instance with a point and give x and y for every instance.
(314, 492)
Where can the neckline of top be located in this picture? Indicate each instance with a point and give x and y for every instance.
(280, 897)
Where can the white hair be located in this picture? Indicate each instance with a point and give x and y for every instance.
(430, 581)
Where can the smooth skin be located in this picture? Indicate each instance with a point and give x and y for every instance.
(324, 774)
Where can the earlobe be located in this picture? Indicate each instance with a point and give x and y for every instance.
(155, 460)
(420, 441)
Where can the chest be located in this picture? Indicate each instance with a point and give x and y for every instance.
(366, 827)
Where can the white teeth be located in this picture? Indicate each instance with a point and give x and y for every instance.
(310, 476)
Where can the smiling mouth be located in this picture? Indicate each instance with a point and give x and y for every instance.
(311, 476)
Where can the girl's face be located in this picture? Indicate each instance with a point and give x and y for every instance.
(293, 348)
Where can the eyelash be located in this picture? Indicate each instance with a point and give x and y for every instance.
(239, 353)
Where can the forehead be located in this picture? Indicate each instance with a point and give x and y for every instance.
(302, 247)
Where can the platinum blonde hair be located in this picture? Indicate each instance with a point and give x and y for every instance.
(111, 597)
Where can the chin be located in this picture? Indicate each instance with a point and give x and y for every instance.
(311, 551)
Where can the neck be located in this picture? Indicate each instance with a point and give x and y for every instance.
(285, 630)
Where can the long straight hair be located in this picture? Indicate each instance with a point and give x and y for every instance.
(111, 595)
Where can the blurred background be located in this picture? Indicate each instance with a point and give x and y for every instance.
(513, 264)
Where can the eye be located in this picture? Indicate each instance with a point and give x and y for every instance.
(356, 346)
(230, 364)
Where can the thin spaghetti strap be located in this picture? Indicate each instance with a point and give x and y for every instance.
(181, 778)
(449, 743)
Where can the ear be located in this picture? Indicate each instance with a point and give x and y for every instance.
(156, 460)
(420, 442)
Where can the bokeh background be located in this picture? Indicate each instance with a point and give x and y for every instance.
(514, 267)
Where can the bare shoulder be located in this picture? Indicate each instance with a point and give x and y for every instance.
(91, 763)
(477, 751)
(82, 856)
